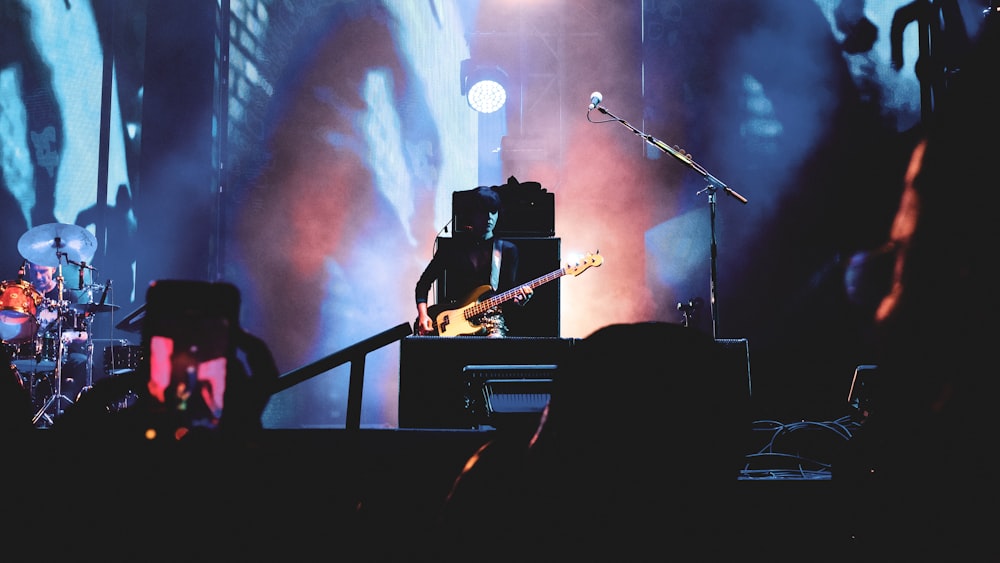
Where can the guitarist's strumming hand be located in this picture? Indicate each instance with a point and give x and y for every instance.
(425, 324)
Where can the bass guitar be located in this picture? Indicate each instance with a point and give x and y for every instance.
(467, 319)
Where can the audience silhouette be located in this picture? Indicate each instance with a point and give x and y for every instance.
(181, 494)
(638, 451)
(249, 384)
(920, 470)
(16, 407)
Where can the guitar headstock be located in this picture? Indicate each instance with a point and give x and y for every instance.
(591, 259)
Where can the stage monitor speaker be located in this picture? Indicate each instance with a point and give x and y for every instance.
(541, 316)
(501, 395)
(466, 382)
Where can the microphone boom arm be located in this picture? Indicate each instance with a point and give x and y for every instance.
(679, 154)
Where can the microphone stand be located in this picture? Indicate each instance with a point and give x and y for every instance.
(83, 266)
(713, 185)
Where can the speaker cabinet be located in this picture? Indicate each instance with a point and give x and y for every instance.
(538, 256)
(442, 380)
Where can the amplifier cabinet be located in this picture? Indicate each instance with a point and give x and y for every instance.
(528, 209)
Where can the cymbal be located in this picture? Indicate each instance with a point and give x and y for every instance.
(133, 321)
(94, 307)
(47, 244)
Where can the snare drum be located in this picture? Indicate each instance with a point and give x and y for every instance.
(122, 358)
(19, 302)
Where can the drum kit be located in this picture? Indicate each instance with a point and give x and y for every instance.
(38, 332)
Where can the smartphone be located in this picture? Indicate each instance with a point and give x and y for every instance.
(188, 335)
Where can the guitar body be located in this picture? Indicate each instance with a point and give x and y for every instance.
(467, 318)
(450, 320)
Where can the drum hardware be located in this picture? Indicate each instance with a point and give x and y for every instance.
(93, 307)
(33, 348)
(57, 397)
(50, 245)
(133, 321)
(88, 304)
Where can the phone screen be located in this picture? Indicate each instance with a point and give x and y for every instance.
(188, 331)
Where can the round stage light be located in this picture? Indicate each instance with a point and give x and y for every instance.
(486, 92)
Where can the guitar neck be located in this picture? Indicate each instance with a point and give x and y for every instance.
(501, 298)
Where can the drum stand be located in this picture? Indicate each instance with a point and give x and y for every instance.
(57, 397)
(88, 323)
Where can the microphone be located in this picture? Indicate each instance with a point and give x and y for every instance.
(595, 99)
(83, 265)
(104, 294)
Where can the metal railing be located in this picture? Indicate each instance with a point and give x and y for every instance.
(354, 354)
